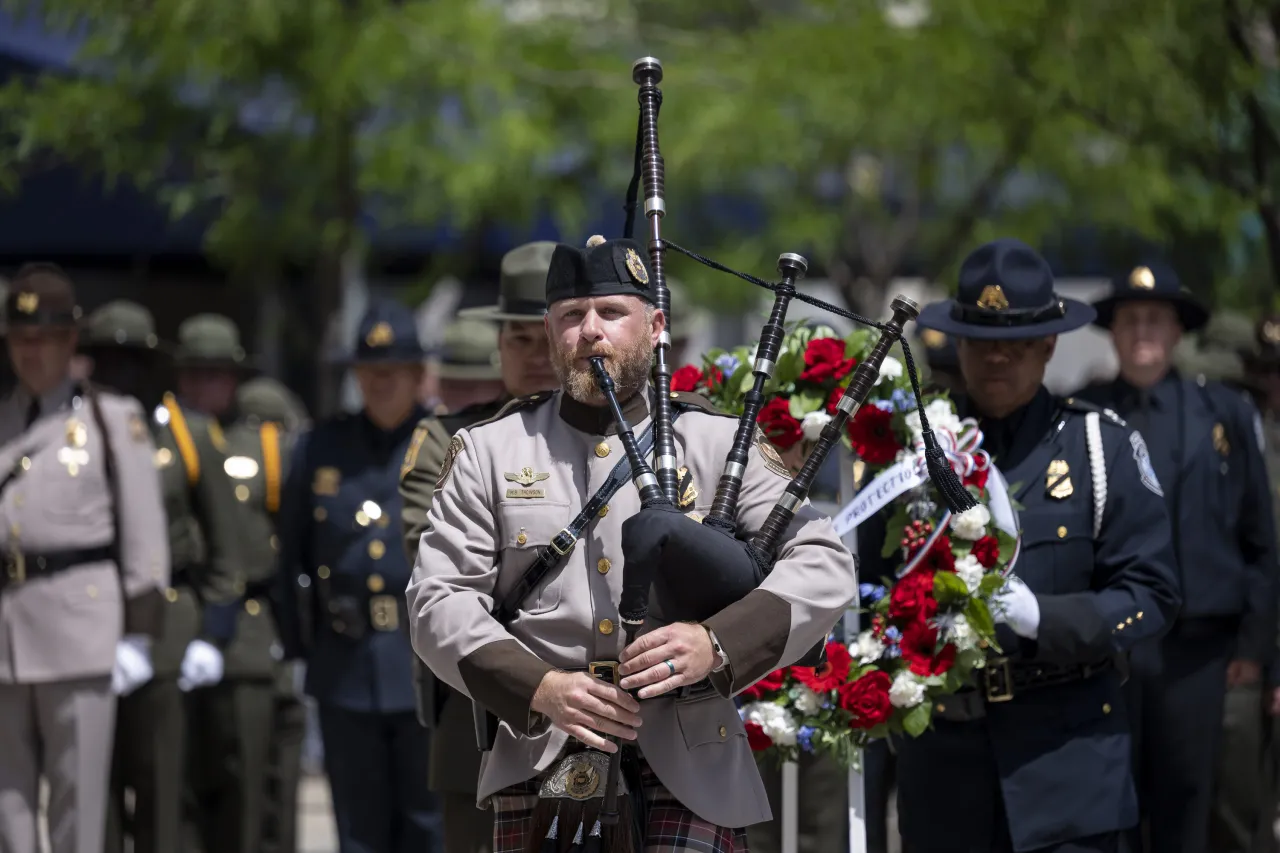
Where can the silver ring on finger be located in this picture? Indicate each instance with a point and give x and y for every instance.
(671, 666)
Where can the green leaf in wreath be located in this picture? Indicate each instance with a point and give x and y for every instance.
(990, 584)
(948, 587)
(917, 719)
(804, 402)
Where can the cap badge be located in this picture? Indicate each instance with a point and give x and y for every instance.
(380, 335)
(1142, 278)
(992, 298)
(28, 302)
(636, 267)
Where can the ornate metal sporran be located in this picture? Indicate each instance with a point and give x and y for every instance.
(567, 816)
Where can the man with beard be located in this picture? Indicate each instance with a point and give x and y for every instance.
(536, 476)
(523, 367)
(1038, 750)
(339, 529)
(1207, 447)
(153, 726)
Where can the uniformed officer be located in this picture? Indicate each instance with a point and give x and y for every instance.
(548, 454)
(523, 367)
(85, 559)
(235, 718)
(340, 542)
(154, 728)
(263, 401)
(1206, 446)
(1037, 754)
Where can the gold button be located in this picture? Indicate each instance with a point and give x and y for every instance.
(1106, 707)
(163, 457)
(675, 395)
(275, 542)
(377, 549)
(362, 518)
(521, 538)
(1062, 532)
(604, 510)
(1139, 614)
(171, 595)
(602, 450)
(942, 709)
(242, 493)
(606, 626)
(26, 463)
(1120, 626)
(91, 591)
(252, 607)
(383, 520)
(322, 572)
(724, 732)
(375, 583)
(320, 513)
(603, 565)
(1129, 621)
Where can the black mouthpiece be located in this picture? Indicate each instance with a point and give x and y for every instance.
(602, 375)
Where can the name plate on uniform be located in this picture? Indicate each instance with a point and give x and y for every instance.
(384, 613)
(526, 493)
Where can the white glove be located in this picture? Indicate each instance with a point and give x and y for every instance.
(1017, 607)
(133, 664)
(201, 666)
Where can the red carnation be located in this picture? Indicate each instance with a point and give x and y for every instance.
(920, 649)
(824, 360)
(911, 598)
(829, 676)
(771, 682)
(836, 394)
(871, 434)
(775, 420)
(978, 478)
(939, 558)
(986, 551)
(686, 378)
(713, 378)
(756, 738)
(867, 700)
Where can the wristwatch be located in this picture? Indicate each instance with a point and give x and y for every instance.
(719, 650)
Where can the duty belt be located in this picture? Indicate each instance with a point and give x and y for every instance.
(20, 567)
(1002, 679)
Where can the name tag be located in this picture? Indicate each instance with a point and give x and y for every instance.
(526, 493)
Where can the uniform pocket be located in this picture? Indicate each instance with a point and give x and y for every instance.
(523, 530)
(1057, 553)
(710, 720)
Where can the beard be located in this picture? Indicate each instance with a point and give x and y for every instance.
(628, 366)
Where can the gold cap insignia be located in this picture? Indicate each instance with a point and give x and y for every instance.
(1057, 480)
(527, 477)
(992, 298)
(28, 302)
(636, 267)
(380, 335)
(1142, 278)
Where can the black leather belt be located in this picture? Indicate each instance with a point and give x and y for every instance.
(607, 670)
(21, 567)
(1001, 680)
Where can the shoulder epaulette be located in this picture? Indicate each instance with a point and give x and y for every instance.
(1075, 404)
(472, 415)
(519, 404)
(693, 400)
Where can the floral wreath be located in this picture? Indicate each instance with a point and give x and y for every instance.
(930, 626)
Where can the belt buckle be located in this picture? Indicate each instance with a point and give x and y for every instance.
(573, 540)
(604, 670)
(384, 613)
(16, 566)
(999, 680)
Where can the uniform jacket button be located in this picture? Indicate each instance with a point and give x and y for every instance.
(602, 450)
(606, 626)
(603, 565)
(724, 732)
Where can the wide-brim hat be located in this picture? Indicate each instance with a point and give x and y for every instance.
(212, 341)
(522, 286)
(122, 325)
(41, 295)
(1005, 292)
(1153, 281)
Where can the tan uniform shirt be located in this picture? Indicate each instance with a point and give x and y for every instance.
(66, 624)
(478, 538)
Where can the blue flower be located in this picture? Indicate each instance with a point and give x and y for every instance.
(870, 593)
(728, 363)
(892, 634)
(805, 737)
(827, 706)
(891, 652)
(884, 405)
(902, 400)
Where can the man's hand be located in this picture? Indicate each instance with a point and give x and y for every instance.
(686, 645)
(584, 706)
(1242, 673)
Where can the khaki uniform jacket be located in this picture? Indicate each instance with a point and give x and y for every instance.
(256, 454)
(478, 541)
(66, 624)
(205, 531)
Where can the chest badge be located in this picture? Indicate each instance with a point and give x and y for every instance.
(685, 489)
(1220, 442)
(325, 481)
(1057, 480)
(77, 433)
(526, 478)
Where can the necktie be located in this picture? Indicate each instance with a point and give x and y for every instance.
(1140, 418)
(33, 412)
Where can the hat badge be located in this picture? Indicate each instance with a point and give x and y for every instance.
(636, 267)
(380, 335)
(1142, 278)
(992, 298)
(28, 302)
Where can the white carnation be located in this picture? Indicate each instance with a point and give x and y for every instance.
(969, 570)
(906, 691)
(890, 367)
(941, 416)
(961, 634)
(813, 424)
(775, 720)
(807, 701)
(972, 523)
(868, 649)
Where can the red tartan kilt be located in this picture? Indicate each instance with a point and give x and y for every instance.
(671, 828)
